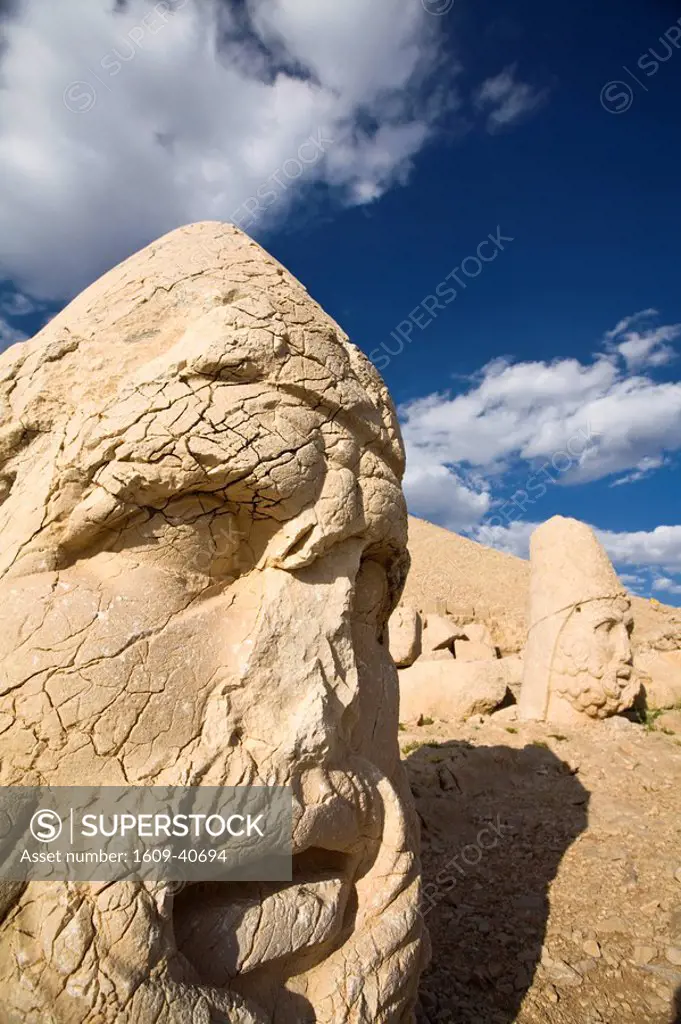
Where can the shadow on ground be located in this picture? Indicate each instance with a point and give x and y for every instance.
(496, 823)
(677, 1008)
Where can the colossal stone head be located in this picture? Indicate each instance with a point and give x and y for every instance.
(578, 660)
(203, 535)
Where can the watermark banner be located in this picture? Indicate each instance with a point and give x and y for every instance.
(146, 833)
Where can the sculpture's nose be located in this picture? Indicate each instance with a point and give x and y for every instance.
(623, 644)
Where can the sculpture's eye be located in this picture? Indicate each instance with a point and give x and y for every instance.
(606, 625)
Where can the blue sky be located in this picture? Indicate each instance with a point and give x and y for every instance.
(487, 200)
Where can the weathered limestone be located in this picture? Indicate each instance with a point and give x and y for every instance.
(454, 690)
(439, 633)
(669, 722)
(477, 632)
(578, 660)
(472, 583)
(405, 630)
(473, 650)
(660, 673)
(202, 539)
(514, 667)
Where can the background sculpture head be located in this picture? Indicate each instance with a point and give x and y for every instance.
(203, 535)
(578, 659)
(592, 665)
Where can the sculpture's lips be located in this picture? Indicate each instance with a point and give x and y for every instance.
(624, 672)
(230, 929)
(227, 929)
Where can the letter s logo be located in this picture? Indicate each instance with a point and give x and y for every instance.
(46, 826)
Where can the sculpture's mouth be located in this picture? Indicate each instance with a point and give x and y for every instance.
(265, 951)
(624, 672)
(230, 929)
(252, 937)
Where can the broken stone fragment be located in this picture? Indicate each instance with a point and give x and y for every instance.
(439, 633)
(452, 690)
(404, 630)
(473, 650)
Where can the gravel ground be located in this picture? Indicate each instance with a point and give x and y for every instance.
(552, 871)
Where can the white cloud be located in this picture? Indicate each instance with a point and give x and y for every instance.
(563, 422)
(646, 347)
(635, 582)
(659, 547)
(514, 539)
(665, 585)
(645, 467)
(657, 550)
(506, 99)
(181, 110)
(16, 304)
(436, 492)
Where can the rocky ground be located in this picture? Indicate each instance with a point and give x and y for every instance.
(552, 870)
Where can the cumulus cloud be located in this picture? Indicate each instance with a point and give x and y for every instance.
(645, 467)
(640, 345)
(563, 422)
(506, 99)
(514, 539)
(655, 551)
(663, 584)
(659, 547)
(16, 304)
(438, 492)
(635, 582)
(121, 121)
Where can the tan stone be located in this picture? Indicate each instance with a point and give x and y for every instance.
(479, 633)
(404, 630)
(202, 538)
(506, 715)
(669, 721)
(452, 691)
(592, 949)
(439, 632)
(661, 678)
(474, 583)
(644, 954)
(578, 660)
(513, 668)
(442, 654)
(473, 650)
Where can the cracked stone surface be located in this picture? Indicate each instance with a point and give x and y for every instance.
(203, 536)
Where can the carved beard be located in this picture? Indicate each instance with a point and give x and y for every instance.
(596, 690)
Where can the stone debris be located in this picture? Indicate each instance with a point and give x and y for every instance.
(439, 633)
(473, 650)
(405, 631)
(451, 690)
(528, 892)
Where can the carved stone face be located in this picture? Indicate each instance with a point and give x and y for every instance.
(197, 578)
(592, 666)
